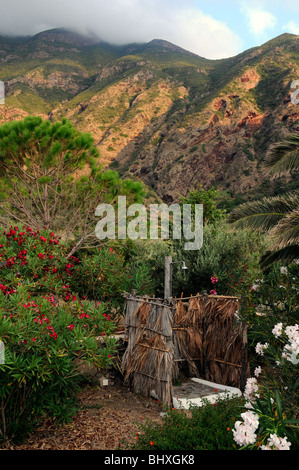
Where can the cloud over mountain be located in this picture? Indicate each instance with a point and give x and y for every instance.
(125, 21)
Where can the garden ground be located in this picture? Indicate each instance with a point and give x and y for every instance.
(108, 417)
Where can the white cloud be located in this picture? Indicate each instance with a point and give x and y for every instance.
(203, 34)
(291, 27)
(125, 21)
(259, 21)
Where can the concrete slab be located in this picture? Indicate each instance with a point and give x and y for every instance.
(196, 392)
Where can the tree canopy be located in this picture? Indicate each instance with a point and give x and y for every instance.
(51, 178)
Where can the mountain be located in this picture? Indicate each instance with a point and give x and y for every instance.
(163, 114)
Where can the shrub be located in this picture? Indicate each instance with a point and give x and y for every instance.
(270, 423)
(273, 299)
(271, 311)
(230, 255)
(47, 330)
(101, 274)
(147, 261)
(207, 428)
(36, 260)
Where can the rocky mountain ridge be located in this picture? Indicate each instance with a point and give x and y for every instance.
(159, 113)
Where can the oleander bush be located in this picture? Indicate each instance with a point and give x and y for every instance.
(47, 330)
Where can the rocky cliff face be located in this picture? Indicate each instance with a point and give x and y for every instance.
(162, 114)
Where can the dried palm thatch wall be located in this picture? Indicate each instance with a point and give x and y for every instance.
(200, 333)
(148, 359)
(210, 340)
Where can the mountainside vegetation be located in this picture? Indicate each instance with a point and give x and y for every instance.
(159, 113)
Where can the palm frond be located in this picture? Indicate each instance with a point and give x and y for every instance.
(283, 157)
(286, 232)
(264, 214)
(286, 256)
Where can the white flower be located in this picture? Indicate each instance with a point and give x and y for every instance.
(291, 354)
(260, 348)
(257, 371)
(251, 388)
(284, 270)
(248, 405)
(255, 287)
(278, 443)
(292, 332)
(244, 434)
(277, 330)
(237, 314)
(291, 349)
(251, 419)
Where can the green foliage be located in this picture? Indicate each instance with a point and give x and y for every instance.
(207, 198)
(33, 138)
(230, 255)
(274, 296)
(39, 163)
(141, 280)
(43, 344)
(47, 330)
(101, 274)
(146, 262)
(208, 428)
(277, 215)
(267, 93)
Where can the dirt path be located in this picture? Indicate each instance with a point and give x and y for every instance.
(108, 419)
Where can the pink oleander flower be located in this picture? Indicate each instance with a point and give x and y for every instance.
(244, 434)
(251, 389)
(277, 330)
(250, 419)
(260, 348)
(276, 443)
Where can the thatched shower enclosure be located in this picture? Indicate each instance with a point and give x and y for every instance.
(200, 334)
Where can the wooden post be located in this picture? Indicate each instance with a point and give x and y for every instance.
(244, 357)
(204, 330)
(168, 278)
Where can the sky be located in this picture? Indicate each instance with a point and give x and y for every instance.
(213, 29)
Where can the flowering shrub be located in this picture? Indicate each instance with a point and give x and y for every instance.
(204, 428)
(271, 424)
(34, 259)
(101, 274)
(47, 330)
(39, 261)
(276, 294)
